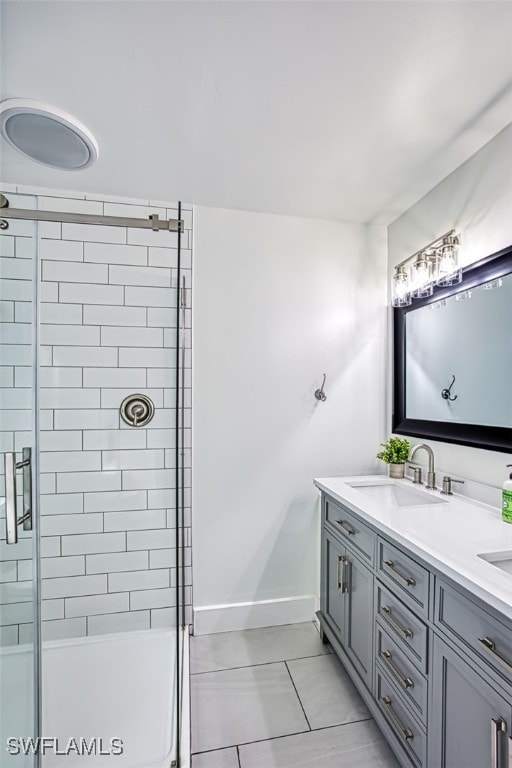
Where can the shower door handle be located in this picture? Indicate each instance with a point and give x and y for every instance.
(11, 502)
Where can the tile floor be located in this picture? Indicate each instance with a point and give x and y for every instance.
(276, 698)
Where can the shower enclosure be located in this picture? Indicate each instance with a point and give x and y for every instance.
(93, 575)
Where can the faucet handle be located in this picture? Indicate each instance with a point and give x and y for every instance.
(447, 485)
(417, 474)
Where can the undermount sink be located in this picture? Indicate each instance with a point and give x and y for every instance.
(391, 495)
(501, 560)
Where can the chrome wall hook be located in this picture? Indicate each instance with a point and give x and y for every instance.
(320, 394)
(446, 393)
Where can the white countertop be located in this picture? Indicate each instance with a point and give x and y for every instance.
(449, 537)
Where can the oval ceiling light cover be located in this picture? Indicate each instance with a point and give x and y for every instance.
(47, 134)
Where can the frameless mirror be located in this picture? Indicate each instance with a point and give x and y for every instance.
(453, 360)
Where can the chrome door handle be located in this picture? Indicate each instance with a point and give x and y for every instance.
(498, 726)
(11, 531)
(342, 584)
(405, 732)
(346, 571)
(490, 646)
(346, 529)
(405, 682)
(509, 753)
(11, 502)
(386, 614)
(389, 566)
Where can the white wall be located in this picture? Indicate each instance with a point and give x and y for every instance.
(279, 301)
(476, 199)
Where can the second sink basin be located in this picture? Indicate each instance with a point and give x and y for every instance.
(501, 560)
(391, 495)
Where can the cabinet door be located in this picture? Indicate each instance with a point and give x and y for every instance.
(470, 721)
(334, 585)
(359, 618)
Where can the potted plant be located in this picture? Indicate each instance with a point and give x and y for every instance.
(394, 453)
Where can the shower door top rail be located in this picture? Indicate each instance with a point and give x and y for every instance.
(154, 222)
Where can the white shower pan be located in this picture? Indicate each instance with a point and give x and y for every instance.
(119, 686)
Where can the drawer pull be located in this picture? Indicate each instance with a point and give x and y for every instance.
(498, 726)
(407, 581)
(405, 732)
(490, 646)
(385, 612)
(405, 682)
(345, 528)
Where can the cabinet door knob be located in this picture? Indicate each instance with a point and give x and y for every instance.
(345, 528)
(342, 578)
(498, 726)
(389, 567)
(405, 682)
(405, 732)
(387, 614)
(490, 647)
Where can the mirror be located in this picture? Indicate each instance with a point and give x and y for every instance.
(453, 360)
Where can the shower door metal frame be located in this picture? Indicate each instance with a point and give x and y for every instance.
(153, 222)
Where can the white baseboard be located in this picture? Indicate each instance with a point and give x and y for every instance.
(315, 619)
(262, 613)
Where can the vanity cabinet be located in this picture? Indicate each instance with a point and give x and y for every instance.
(333, 587)
(347, 603)
(433, 665)
(359, 623)
(471, 721)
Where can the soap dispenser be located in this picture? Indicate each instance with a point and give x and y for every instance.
(506, 512)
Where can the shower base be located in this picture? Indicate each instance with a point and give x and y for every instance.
(118, 686)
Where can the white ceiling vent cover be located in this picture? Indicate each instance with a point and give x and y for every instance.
(47, 134)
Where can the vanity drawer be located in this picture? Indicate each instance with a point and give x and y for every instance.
(398, 667)
(403, 575)
(351, 529)
(466, 622)
(396, 713)
(403, 625)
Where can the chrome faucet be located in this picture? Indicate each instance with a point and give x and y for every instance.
(431, 475)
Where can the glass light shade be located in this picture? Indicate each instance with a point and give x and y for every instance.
(421, 276)
(454, 279)
(447, 268)
(401, 296)
(424, 291)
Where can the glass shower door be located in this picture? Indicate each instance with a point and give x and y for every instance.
(18, 525)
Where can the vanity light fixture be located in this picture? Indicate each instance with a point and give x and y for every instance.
(401, 288)
(435, 264)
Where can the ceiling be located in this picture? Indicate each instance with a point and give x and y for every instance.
(338, 110)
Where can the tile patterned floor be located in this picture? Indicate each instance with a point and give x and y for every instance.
(277, 698)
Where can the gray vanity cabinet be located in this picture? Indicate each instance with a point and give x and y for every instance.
(359, 623)
(471, 722)
(431, 662)
(333, 587)
(347, 603)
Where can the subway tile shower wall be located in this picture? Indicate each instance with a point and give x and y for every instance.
(108, 329)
